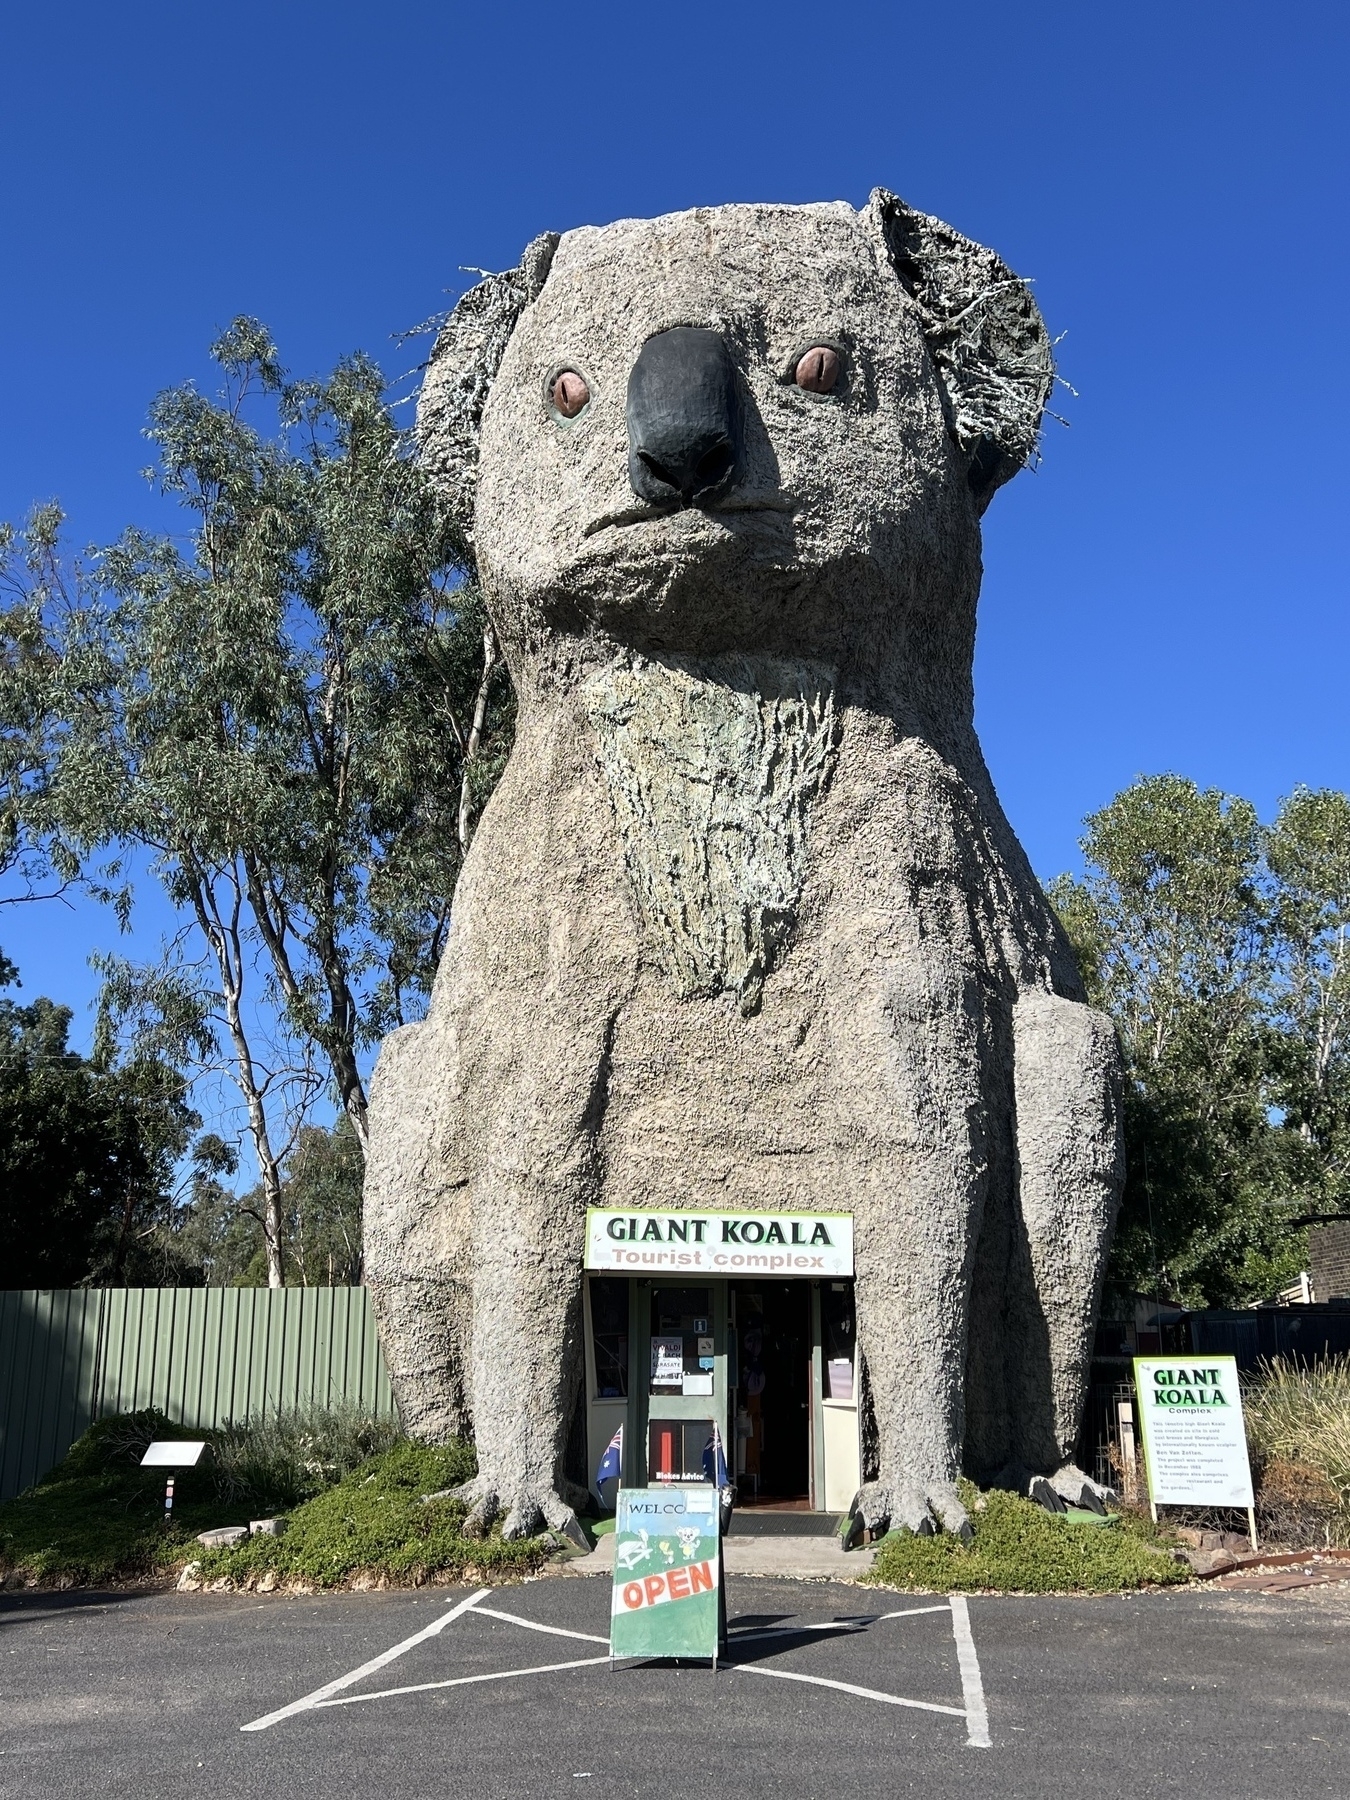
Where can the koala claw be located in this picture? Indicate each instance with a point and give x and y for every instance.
(1071, 1484)
(924, 1510)
(485, 1507)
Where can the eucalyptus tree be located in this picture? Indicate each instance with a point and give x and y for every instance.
(1308, 851)
(1172, 922)
(292, 710)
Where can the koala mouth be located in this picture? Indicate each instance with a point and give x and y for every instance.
(733, 503)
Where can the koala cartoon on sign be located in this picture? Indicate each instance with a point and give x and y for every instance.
(743, 925)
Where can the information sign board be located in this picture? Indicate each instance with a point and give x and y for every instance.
(719, 1243)
(667, 1572)
(1195, 1443)
(173, 1453)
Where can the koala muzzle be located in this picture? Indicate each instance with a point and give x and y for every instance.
(684, 419)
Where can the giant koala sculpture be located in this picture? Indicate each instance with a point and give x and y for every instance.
(743, 924)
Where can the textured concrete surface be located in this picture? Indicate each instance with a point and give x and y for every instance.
(1243, 1696)
(744, 924)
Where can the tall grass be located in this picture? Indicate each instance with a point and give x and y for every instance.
(1298, 1428)
(282, 1461)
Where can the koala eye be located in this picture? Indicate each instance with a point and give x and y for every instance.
(568, 393)
(817, 369)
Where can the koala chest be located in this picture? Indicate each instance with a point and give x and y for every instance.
(714, 772)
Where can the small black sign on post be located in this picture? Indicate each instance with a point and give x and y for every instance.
(169, 1453)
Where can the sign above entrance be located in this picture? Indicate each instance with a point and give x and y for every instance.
(719, 1243)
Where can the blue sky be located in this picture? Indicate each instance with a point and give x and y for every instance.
(1167, 592)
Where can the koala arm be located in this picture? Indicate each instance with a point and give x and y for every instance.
(418, 1229)
(1067, 1089)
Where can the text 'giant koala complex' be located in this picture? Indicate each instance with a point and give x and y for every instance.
(743, 925)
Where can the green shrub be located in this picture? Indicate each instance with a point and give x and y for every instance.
(1021, 1548)
(99, 1517)
(376, 1525)
(276, 1462)
(1299, 1418)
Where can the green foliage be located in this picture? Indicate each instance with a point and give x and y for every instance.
(281, 1460)
(1218, 947)
(1300, 1417)
(375, 1524)
(1018, 1547)
(87, 1155)
(219, 1235)
(99, 1517)
(292, 710)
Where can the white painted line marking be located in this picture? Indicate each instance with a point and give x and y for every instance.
(972, 1688)
(847, 1687)
(319, 1695)
(587, 1637)
(425, 1687)
(912, 1612)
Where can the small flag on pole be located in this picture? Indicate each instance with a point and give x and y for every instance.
(715, 1461)
(611, 1463)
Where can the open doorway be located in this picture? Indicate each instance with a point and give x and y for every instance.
(771, 1403)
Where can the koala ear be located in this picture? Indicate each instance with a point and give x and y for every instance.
(462, 369)
(985, 335)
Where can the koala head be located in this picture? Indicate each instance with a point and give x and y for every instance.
(738, 429)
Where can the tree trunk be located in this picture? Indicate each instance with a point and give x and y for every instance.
(490, 658)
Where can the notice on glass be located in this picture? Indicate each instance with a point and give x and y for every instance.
(1195, 1442)
(668, 1361)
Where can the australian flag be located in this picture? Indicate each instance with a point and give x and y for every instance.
(612, 1461)
(715, 1461)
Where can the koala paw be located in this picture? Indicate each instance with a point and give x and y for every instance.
(923, 1508)
(527, 1512)
(1071, 1484)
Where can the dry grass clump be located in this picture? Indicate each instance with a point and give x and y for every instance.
(1298, 1428)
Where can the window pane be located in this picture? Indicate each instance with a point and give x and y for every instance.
(838, 1338)
(682, 1341)
(609, 1333)
(679, 1450)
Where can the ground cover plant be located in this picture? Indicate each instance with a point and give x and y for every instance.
(99, 1517)
(1019, 1547)
(355, 1486)
(375, 1526)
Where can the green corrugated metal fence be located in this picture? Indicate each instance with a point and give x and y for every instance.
(205, 1355)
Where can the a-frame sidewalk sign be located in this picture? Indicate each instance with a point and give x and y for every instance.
(669, 1599)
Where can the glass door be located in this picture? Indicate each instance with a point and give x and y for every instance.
(684, 1376)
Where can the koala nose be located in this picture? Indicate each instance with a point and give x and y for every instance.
(684, 419)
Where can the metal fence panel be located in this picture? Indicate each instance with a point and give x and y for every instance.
(206, 1356)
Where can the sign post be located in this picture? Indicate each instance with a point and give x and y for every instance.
(667, 1597)
(1194, 1437)
(166, 1453)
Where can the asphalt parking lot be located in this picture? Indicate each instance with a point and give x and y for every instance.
(1230, 1695)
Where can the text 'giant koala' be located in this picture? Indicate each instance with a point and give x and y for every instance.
(744, 925)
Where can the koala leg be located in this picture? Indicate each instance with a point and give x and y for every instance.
(536, 1175)
(1070, 1168)
(917, 1233)
(417, 1230)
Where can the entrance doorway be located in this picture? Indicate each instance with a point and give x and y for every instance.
(769, 1329)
